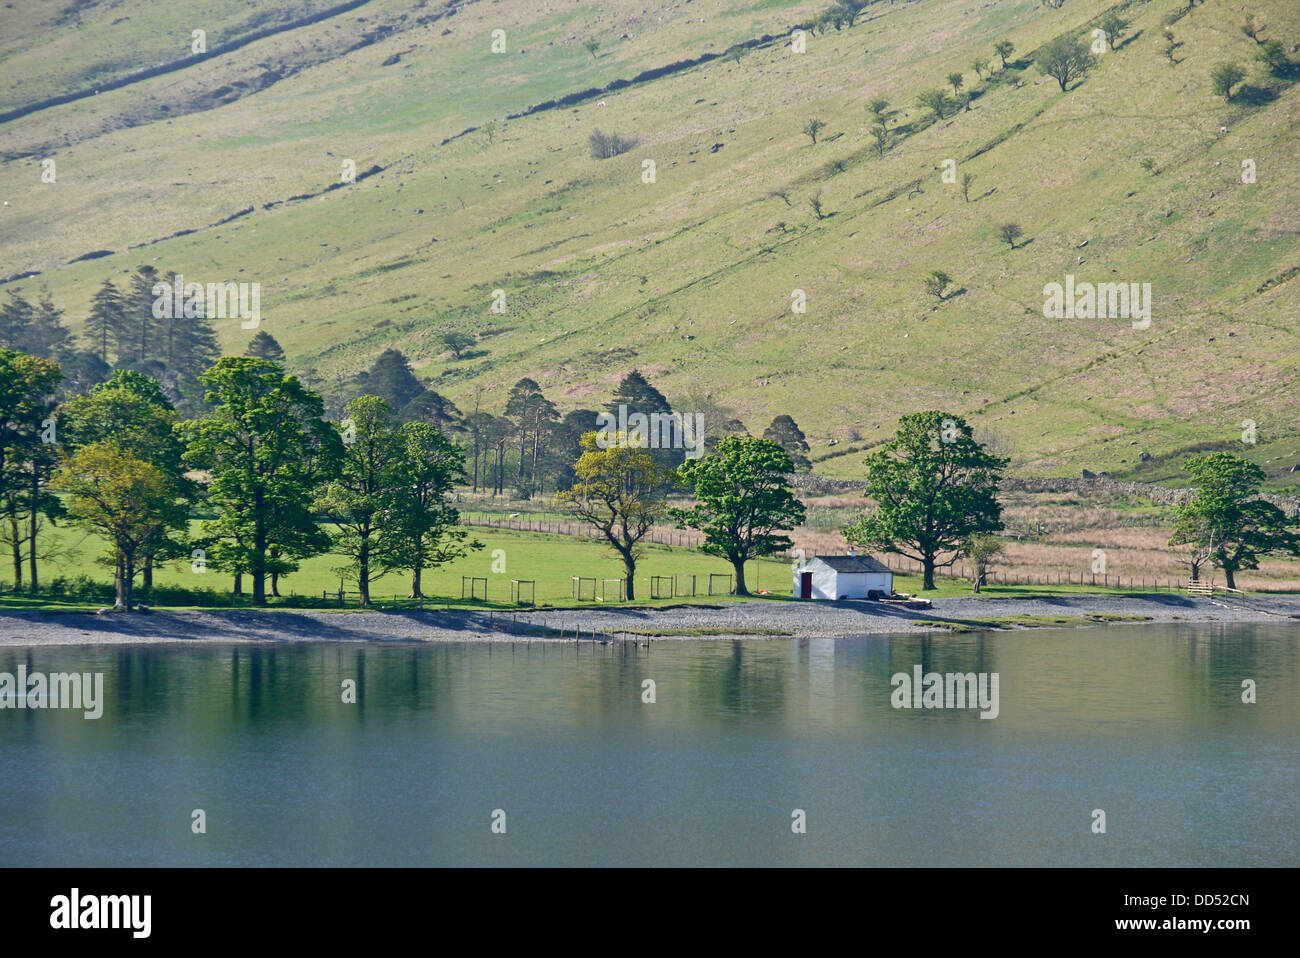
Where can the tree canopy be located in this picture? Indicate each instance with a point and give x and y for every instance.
(934, 486)
(267, 449)
(743, 501)
(1226, 517)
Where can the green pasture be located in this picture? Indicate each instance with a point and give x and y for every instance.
(1134, 175)
(548, 560)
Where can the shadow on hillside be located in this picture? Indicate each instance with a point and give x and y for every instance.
(1250, 95)
(1125, 41)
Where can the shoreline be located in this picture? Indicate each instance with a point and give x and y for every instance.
(732, 620)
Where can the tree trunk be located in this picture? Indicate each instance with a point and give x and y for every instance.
(36, 498)
(147, 574)
(927, 583)
(363, 572)
(416, 574)
(1229, 577)
(239, 583)
(741, 588)
(629, 571)
(129, 578)
(119, 586)
(275, 584)
(259, 561)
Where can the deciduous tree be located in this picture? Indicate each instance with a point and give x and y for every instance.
(743, 501)
(619, 490)
(125, 500)
(934, 486)
(267, 449)
(1228, 513)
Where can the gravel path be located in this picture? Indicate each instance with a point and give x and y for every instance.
(803, 620)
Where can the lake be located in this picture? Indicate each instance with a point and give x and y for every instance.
(554, 743)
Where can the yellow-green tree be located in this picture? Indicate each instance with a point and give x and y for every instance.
(619, 490)
(126, 500)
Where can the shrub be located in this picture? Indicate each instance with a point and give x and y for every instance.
(1065, 59)
(936, 283)
(606, 145)
(1225, 77)
(935, 100)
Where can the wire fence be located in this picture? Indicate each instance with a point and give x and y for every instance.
(690, 539)
(1091, 579)
(660, 535)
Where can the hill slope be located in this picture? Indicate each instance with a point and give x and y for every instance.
(1134, 175)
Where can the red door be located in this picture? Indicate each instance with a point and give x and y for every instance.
(805, 585)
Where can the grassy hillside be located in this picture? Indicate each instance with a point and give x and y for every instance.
(1132, 175)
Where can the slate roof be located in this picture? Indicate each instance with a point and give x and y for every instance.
(842, 563)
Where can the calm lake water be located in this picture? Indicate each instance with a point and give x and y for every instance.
(1145, 723)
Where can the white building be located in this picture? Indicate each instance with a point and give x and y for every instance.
(842, 577)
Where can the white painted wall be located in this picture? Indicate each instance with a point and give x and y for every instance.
(826, 584)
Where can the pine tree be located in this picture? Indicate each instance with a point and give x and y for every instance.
(787, 433)
(15, 319)
(264, 346)
(139, 315)
(36, 330)
(390, 378)
(521, 409)
(49, 337)
(107, 319)
(567, 444)
(194, 351)
(433, 408)
(168, 328)
(636, 393)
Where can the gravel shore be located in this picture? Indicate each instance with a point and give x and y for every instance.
(753, 618)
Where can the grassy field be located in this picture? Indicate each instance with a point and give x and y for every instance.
(1133, 175)
(549, 560)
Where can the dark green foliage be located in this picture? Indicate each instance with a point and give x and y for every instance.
(785, 432)
(743, 501)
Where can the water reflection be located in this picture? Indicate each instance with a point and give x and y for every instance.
(1146, 722)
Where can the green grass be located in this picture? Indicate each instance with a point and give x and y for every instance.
(604, 273)
(549, 560)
